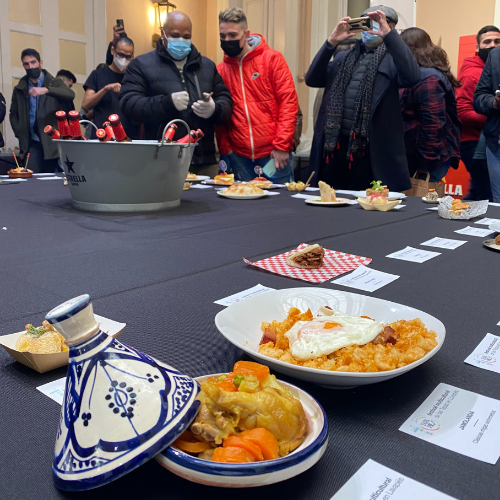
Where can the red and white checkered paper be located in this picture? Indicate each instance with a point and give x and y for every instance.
(334, 264)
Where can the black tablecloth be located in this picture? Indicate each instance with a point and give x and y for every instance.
(161, 272)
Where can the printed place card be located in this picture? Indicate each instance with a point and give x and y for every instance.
(245, 294)
(200, 186)
(346, 191)
(53, 178)
(311, 189)
(413, 255)
(54, 390)
(366, 279)
(272, 193)
(494, 204)
(486, 354)
(397, 207)
(443, 243)
(474, 231)
(434, 209)
(305, 196)
(460, 421)
(375, 481)
(487, 221)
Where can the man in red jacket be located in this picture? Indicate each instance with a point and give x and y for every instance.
(473, 146)
(265, 104)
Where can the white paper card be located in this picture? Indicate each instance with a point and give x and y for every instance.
(365, 278)
(272, 193)
(494, 204)
(200, 186)
(413, 255)
(460, 421)
(49, 178)
(375, 481)
(54, 390)
(433, 208)
(486, 355)
(498, 324)
(14, 180)
(397, 207)
(346, 191)
(245, 294)
(41, 174)
(352, 202)
(443, 243)
(305, 196)
(474, 231)
(311, 189)
(487, 221)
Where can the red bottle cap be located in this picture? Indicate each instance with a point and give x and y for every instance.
(74, 115)
(61, 115)
(101, 134)
(114, 120)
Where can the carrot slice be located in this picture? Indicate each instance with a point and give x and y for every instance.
(231, 454)
(252, 448)
(246, 368)
(188, 447)
(226, 384)
(264, 440)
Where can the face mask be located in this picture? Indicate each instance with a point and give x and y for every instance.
(369, 39)
(178, 48)
(121, 63)
(34, 73)
(483, 53)
(231, 47)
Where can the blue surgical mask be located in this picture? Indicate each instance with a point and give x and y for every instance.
(369, 39)
(178, 48)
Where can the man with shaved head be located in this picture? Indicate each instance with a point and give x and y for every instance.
(176, 81)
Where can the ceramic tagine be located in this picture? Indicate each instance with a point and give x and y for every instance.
(121, 407)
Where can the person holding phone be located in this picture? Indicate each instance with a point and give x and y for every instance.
(262, 127)
(359, 134)
(118, 31)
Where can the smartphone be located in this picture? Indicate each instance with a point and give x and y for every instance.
(119, 22)
(207, 98)
(269, 168)
(360, 24)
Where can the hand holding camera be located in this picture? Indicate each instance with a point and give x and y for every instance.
(340, 32)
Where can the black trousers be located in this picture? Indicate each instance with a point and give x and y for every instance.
(37, 162)
(480, 188)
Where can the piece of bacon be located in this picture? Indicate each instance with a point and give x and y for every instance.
(384, 337)
(269, 335)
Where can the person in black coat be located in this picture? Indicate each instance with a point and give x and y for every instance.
(2, 117)
(359, 134)
(487, 102)
(176, 81)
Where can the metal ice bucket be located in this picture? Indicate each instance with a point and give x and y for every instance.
(136, 176)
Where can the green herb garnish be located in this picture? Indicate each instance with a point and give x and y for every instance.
(36, 332)
(238, 379)
(221, 378)
(377, 185)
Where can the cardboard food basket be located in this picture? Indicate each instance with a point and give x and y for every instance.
(136, 176)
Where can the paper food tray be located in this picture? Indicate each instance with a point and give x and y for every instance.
(45, 362)
(476, 209)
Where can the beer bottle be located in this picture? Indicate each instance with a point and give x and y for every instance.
(120, 134)
(185, 140)
(54, 134)
(200, 133)
(62, 125)
(74, 126)
(101, 135)
(109, 131)
(169, 134)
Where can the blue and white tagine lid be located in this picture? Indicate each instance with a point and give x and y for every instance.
(121, 407)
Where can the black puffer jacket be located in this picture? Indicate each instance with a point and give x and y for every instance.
(146, 96)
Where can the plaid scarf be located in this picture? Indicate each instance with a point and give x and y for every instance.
(359, 134)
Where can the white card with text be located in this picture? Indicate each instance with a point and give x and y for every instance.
(443, 243)
(54, 390)
(474, 231)
(487, 221)
(305, 196)
(366, 279)
(375, 481)
(486, 355)
(460, 421)
(245, 294)
(413, 255)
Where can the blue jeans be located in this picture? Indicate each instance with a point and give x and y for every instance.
(243, 168)
(493, 158)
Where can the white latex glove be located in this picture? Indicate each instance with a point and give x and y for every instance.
(180, 100)
(204, 109)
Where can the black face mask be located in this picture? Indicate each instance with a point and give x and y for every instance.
(33, 73)
(231, 47)
(483, 53)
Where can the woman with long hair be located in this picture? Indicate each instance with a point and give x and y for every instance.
(432, 127)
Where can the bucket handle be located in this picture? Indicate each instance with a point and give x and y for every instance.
(88, 121)
(180, 145)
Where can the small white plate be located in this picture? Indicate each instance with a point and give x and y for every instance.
(212, 182)
(236, 197)
(339, 202)
(491, 245)
(199, 178)
(425, 200)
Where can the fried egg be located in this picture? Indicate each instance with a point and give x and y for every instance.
(328, 332)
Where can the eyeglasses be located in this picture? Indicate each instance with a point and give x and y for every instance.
(126, 56)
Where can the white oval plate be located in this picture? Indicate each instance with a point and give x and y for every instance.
(241, 324)
(256, 473)
(248, 197)
(340, 201)
(212, 182)
(491, 245)
(199, 179)
(427, 201)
